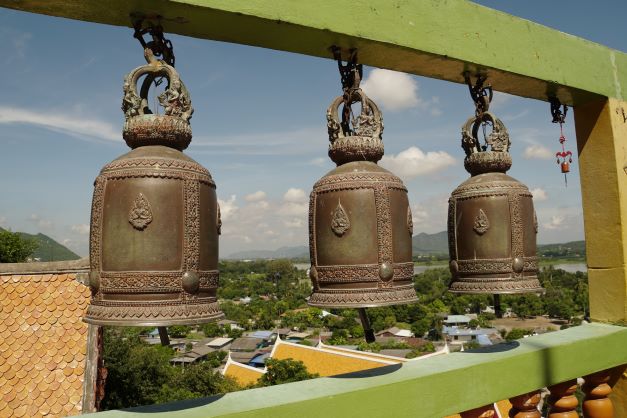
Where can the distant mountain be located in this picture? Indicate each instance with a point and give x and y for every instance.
(300, 251)
(48, 249)
(567, 249)
(424, 243)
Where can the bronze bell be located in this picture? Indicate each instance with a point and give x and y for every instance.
(155, 219)
(492, 225)
(360, 223)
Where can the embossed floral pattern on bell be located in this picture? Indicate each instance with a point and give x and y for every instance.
(491, 220)
(155, 219)
(359, 217)
(340, 222)
(141, 214)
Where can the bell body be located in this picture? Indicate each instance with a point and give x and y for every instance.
(492, 230)
(154, 241)
(360, 238)
(155, 221)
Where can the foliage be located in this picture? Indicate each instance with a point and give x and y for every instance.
(284, 371)
(141, 374)
(14, 248)
(517, 334)
(179, 331)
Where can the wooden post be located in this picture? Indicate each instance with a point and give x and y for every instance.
(562, 401)
(525, 405)
(597, 404)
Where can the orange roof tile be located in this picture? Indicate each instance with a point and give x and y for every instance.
(42, 342)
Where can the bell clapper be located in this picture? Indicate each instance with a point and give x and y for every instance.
(365, 322)
(497, 306)
(163, 336)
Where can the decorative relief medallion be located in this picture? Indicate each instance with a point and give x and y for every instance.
(410, 221)
(340, 223)
(482, 224)
(141, 213)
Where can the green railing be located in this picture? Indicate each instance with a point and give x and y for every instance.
(433, 387)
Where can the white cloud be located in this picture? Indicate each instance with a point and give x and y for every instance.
(294, 209)
(228, 208)
(539, 194)
(429, 215)
(557, 222)
(295, 195)
(82, 229)
(294, 223)
(40, 222)
(536, 151)
(413, 162)
(254, 197)
(393, 90)
(75, 125)
(319, 161)
(419, 213)
(499, 99)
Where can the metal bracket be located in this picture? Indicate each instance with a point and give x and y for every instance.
(621, 112)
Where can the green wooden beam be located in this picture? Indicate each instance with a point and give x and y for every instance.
(433, 387)
(432, 38)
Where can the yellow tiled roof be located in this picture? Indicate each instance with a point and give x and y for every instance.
(244, 375)
(325, 362)
(43, 344)
(365, 354)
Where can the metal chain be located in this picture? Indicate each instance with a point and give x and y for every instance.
(481, 95)
(351, 74)
(160, 46)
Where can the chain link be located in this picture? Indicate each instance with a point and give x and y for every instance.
(160, 46)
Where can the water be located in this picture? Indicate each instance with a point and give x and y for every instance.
(570, 267)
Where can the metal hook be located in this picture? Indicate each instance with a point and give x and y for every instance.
(621, 112)
(559, 116)
(160, 46)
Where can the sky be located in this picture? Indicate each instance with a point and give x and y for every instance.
(259, 127)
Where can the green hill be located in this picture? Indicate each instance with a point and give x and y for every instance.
(425, 244)
(48, 249)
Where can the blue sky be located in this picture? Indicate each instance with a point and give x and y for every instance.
(259, 127)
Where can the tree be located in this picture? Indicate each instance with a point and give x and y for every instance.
(284, 371)
(179, 331)
(473, 323)
(14, 248)
(420, 327)
(212, 329)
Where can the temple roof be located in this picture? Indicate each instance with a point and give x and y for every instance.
(43, 344)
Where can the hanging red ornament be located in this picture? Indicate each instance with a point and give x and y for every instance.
(564, 158)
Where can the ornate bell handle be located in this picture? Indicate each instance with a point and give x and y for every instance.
(498, 140)
(175, 99)
(370, 119)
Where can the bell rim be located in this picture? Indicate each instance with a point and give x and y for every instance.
(403, 299)
(538, 291)
(153, 323)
